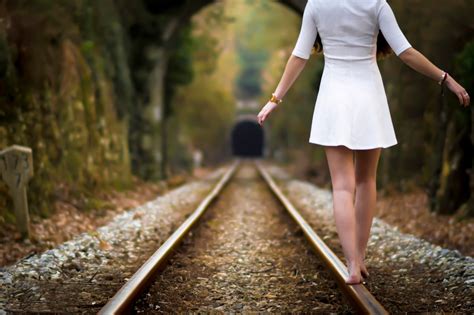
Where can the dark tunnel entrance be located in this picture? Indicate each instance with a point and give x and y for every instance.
(247, 139)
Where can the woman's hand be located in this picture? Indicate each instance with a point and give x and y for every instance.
(293, 68)
(457, 89)
(266, 110)
(420, 63)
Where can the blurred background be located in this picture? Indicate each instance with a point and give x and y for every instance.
(112, 95)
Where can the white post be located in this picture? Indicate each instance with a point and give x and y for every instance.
(16, 167)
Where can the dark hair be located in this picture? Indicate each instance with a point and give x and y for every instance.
(383, 48)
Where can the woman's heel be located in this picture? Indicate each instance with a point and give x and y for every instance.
(353, 278)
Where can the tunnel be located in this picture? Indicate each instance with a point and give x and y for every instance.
(247, 139)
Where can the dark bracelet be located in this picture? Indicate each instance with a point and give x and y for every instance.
(445, 75)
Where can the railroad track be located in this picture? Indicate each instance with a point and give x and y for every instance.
(122, 302)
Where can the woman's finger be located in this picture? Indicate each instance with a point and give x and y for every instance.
(464, 99)
(263, 115)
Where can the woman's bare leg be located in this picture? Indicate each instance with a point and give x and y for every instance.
(366, 162)
(341, 168)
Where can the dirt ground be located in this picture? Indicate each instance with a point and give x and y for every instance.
(407, 274)
(266, 262)
(81, 275)
(246, 256)
(409, 212)
(68, 221)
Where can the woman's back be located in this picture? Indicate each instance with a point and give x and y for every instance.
(349, 28)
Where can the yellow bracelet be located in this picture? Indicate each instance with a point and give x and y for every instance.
(274, 99)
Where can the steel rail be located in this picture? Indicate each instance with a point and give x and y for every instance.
(358, 294)
(122, 301)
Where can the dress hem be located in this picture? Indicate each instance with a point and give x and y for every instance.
(350, 146)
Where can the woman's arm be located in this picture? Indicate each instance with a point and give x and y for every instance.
(293, 68)
(417, 61)
(297, 60)
(412, 57)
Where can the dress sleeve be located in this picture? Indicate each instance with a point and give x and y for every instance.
(391, 30)
(308, 33)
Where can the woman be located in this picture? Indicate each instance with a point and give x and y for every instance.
(351, 117)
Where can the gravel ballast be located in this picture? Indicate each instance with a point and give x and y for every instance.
(407, 274)
(82, 274)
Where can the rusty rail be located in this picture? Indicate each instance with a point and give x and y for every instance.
(363, 301)
(122, 301)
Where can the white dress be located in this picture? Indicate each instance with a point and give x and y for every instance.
(351, 107)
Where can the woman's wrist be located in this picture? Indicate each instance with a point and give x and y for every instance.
(275, 99)
(442, 79)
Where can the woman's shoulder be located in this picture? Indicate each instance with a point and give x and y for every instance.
(380, 3)
(311, 5)
(310, 2)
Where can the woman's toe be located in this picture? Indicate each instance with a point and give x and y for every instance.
(364, 272)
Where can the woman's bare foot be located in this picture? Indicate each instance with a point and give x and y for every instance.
(354, 274)
(354, 279)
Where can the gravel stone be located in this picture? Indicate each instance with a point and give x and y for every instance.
(99, 262)
(407, 274)
(245, 255)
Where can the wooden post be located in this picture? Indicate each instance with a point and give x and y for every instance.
(16, 167)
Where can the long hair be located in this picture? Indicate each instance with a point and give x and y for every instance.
(383, 48)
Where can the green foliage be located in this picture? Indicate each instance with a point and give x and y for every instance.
(180, 70)
(465, 66)
(79, 92)
(8, 78)
(253, 55)
(249, 81)
(205, 118)
(4, 58)
(431, 151)
(204, 109)
(62, 95)
(465, 70)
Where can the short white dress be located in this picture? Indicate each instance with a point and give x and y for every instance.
(351, 106)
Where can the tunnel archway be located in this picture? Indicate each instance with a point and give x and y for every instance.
(247, 139)
(186, 9)
(175, 15)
